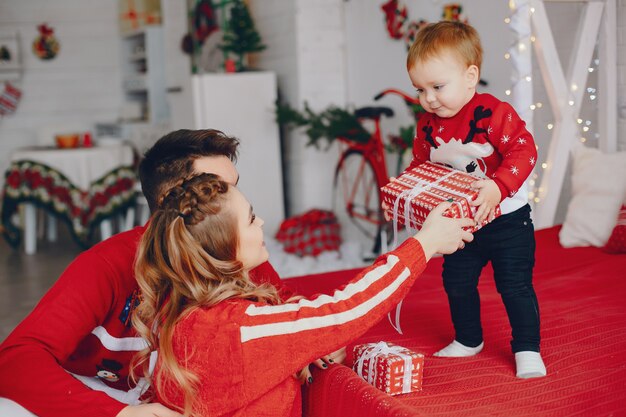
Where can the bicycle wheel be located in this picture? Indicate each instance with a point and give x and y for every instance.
(356, 199)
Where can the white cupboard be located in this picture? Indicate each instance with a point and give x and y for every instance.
(242, 105)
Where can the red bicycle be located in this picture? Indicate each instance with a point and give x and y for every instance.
(362, 171)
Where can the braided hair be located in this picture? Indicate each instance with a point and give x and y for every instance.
(172, 157)
(187, 258)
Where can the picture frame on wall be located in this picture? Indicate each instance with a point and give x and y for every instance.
(10, 62)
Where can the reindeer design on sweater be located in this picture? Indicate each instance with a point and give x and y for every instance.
(486, 138)
(463, 154)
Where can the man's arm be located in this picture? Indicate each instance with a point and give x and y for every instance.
(30, 358)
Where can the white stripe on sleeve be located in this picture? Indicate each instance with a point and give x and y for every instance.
(117, 344)
(351, 289)
(289, 327)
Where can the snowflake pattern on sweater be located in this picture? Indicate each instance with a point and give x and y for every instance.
(486, 137)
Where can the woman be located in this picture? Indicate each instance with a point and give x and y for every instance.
(230, 347)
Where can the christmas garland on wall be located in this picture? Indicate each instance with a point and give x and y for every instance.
(329, 124)
(46, 46)
(400, 28)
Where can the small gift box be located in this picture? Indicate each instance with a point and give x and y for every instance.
(390, 368)
(425, 187)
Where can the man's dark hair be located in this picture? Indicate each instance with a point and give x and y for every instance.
(171, 159)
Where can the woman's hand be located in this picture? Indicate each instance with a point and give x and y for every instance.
(441, 234)
(147, 410)
(338, 356)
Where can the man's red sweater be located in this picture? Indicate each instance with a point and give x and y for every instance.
(82, 326)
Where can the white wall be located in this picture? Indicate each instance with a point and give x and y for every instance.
(275, 21)
(309, 58)
(82, 84)
(621, 72)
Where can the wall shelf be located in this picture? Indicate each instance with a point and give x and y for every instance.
(143, 74)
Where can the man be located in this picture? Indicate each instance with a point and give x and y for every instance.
(71, 356)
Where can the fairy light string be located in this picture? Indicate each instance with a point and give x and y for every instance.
(521, 88)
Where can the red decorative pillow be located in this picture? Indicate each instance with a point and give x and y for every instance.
(617, 241)
(311, 233)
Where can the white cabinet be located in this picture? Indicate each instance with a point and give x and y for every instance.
(143, 76)
(242, 105)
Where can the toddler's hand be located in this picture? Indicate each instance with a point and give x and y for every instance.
(488, 198)
(386, 214)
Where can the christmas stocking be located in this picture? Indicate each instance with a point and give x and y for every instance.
(9, 99)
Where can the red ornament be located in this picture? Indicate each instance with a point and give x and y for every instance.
(230, 66)
(87, 142)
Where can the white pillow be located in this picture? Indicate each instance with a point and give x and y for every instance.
(598, 190)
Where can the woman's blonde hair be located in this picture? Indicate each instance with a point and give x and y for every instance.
(187, 259)
(458, 37)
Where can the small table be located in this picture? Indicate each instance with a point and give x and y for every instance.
(81, 166)
(84, 186)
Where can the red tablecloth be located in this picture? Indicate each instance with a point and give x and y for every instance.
(582, 296)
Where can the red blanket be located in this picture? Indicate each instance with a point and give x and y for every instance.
(581, 293)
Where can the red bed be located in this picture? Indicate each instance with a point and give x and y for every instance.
(582, 294)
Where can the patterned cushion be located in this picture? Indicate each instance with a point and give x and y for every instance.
(310, 233)
(617, 240)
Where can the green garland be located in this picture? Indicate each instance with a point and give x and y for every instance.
(329, 124)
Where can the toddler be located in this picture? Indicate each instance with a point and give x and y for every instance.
(479, 134)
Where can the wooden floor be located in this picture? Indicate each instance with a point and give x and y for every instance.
(25, 278)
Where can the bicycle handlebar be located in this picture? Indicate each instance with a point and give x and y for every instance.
(407, 98)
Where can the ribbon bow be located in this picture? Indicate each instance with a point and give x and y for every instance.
(382, 348)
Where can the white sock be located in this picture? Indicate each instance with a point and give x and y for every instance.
(529, 365)
(459, 350)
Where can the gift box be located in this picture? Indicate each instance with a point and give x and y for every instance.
(390, 368)
(311, 233)
(135, 14)
(425, 187)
